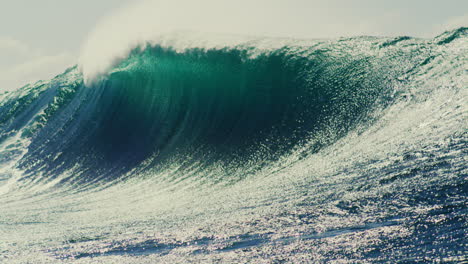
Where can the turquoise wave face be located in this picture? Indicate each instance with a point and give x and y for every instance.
(225, 102)
(214, 105)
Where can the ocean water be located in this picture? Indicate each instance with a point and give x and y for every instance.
(203, 149)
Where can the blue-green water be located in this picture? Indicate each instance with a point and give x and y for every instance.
(350, 150)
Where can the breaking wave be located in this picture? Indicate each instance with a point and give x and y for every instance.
(358, 138)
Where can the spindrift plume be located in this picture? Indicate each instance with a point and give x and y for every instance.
(240, 149)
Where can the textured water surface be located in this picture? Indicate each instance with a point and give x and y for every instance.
(262, 151)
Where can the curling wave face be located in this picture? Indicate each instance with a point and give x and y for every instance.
(217, 105)
(351, 127)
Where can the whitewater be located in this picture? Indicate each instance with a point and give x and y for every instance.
(210, 148)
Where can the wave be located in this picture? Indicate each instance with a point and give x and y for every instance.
(230, 104)
(259, 100)
(323, 133)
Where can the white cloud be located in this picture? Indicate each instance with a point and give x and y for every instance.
(13, 51)
(11, 44)
(22, 64)
(43, 67)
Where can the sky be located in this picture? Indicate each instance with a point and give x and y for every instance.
(40, 38)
